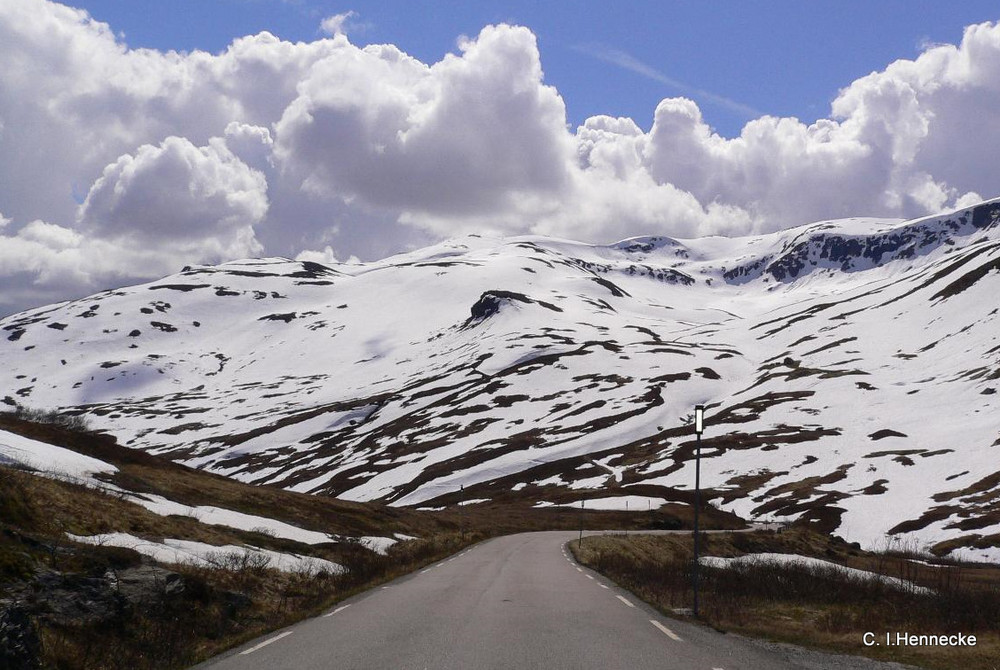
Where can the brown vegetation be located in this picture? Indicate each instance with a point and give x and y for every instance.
(823, 608)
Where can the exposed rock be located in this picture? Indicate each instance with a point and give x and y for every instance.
(19, 644)
(144, 584)
(490, 302)
(72, 599)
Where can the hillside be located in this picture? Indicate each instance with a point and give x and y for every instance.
(850, 371)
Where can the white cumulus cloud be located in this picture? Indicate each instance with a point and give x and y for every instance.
(120, 163)
(203, 201)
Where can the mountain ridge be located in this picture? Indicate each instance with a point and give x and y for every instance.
(556, 371)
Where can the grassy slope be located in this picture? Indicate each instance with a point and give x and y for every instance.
(816, 609)
(218, 607)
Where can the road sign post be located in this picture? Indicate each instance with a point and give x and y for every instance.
(699, 425)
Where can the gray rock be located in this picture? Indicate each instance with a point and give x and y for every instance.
(19, 645)
(145, 584)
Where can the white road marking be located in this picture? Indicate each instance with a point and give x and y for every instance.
(384, 588)
(603, 586)
(341, 608)
(424, 572)
(590, 576)
(671, 634)
(579, 570)
(624, 600)
(265, 643)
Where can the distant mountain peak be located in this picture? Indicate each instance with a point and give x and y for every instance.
(542, 371)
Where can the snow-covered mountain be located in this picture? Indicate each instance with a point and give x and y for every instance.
(850, 370)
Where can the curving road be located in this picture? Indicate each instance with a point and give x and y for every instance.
(512, 602)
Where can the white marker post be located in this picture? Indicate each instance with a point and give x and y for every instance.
(699, 426)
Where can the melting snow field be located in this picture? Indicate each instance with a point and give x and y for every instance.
(809, 563)
(620, 503)
(58, 462)
(51, 460)
(225, 517)
(211, 556)
(850, 372)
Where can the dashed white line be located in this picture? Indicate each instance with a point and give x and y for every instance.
(385, 587)
(339, 609)
(590, 576)
(671, 634)
(625, 600)
(265, 643)
(603, 586)
(579, 570)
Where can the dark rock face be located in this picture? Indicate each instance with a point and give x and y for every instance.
(287, 318)
(490, 302)
(312, 270)
(985, 216)
(19, 644)
(746, 272)
(72, 599)
(849, 253)
(145, 585)
(165, 327)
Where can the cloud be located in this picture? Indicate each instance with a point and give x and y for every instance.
(272, 148)
(476, 133)
(199, 202)
(336, 24)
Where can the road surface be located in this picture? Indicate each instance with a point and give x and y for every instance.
(512, 602)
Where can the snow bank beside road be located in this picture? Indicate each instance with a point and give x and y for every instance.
(809, 563)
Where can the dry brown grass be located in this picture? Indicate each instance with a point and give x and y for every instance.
(220, 608)
(816, 608)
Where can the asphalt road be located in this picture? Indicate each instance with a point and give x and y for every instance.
(511, 602)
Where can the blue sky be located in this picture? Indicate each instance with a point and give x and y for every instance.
(140, 136)
(781, 58)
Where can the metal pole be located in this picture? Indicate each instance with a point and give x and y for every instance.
(697, 504)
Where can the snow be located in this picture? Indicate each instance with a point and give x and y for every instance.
(810, 563)
(219, 516)
(51, 460)
(212, 556)
(621, 503)
(372, 380)
(380, 545)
